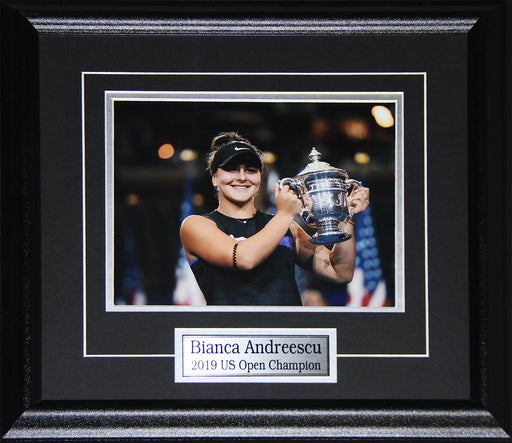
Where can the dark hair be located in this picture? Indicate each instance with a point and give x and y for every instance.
(224, 139)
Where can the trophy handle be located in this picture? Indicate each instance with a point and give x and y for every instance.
(295, 186)
(352, 184)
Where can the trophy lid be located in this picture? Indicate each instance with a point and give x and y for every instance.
(315, 165)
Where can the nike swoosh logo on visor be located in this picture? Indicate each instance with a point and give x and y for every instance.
(241, 149)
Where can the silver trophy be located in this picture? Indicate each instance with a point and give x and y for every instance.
(323, 190)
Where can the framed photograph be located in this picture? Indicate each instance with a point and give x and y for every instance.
(341, 127)
(108, 116)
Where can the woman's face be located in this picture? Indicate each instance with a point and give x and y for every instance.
(238, 183)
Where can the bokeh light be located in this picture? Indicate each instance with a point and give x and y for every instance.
(355, 128)
(361, 158)
(199, 200)
(383, 116)
(269, 157)
(166, 151)
(132, 199)
(188, 155)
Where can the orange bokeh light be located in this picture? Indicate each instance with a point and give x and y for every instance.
(166, 151)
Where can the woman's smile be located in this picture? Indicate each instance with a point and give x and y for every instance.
(237, 182)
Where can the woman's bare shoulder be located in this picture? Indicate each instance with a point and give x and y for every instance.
(197, 225)
(199, 233)
(196, 220)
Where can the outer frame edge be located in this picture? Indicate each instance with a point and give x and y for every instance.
(33, 420)
(457, 424)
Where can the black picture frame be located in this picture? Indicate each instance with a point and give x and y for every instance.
(486, 415)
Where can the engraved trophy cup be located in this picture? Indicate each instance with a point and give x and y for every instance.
(323, 190)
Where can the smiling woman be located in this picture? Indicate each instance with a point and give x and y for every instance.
(242, 256)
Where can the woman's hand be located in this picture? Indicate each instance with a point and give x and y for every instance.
(287, 201)
(358, 200)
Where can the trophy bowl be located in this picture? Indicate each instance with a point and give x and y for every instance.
(323, 191)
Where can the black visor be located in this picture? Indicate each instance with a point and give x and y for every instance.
(237, 152)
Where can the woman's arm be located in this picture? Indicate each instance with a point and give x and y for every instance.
(336, 265)
(202, 238)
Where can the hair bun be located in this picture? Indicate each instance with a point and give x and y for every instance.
(224, 138)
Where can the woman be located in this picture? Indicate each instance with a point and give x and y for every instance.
(242, 256)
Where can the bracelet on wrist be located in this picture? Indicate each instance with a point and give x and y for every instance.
(235, 267)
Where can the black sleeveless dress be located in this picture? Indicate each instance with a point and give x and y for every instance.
(271, 283)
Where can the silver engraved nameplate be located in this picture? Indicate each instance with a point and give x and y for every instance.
(323, 190)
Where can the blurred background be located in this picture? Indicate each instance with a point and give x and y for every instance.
(160, 178)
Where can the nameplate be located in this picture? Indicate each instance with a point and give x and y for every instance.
(255, 355)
